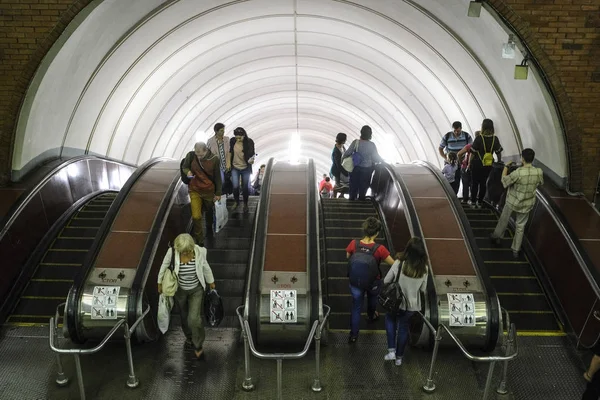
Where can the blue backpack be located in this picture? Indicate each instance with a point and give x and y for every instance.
(363, 268)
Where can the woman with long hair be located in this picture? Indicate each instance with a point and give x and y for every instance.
(411, 264)
(484, 146)
(242, 157)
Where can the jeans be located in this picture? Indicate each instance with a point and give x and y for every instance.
(358, 295)
(397, 329)
(478, 183)
(190, 306)
(198, 202)
(235, 177)
(466, 182)
(520, 222)
(360, 180)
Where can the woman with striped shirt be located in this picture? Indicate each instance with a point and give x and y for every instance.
(193, 274)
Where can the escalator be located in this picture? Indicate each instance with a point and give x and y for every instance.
(516, 284)
(53, 275)
(342, 220)
(228, 254)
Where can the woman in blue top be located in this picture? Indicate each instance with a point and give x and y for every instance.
(360, 177)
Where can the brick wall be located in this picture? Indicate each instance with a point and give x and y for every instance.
(563, 36)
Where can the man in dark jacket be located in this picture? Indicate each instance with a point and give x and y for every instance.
(203, 169)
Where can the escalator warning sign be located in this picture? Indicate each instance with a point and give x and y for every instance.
(104, 302)
(283, 307)
(461, 308)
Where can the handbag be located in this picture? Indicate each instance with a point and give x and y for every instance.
(392, 297)
(163, 315)
(213, 308)
(348, 163)
(169, 281)
(221, 215)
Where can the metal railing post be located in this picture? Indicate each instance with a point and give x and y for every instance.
(429, 387)
(279, 379)
(61, 378)
(316, 386)
(79, 376)
(488, 381)
(132, 381)
(247, 385)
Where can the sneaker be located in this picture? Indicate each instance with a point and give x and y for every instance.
(390, 356)
(478, 205)
(234, 206)
(495, 241)
(398, 361)
(352, 339)
(515, 255)
(374, 318)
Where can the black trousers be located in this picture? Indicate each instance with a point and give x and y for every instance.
(478, 184)
(465, 176)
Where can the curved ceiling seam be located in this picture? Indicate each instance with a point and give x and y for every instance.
(118, 45)
(433, 49)
(386, 121)
(482, 67)
(330, 124)
(335, 97)
(377, 90)
(133, 96)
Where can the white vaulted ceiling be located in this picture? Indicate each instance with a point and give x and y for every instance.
(138, 79)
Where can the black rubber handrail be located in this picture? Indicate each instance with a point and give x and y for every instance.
(414, 226)
(314, 245)
(40, 250)
(136, 293)
(493, 304)
(257, 250)
(72, 306)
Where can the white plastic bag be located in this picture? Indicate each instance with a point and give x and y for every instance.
(163, 316)
(221, 216)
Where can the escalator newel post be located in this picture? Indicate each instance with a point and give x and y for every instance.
(429, 385)
(502, 386)
(488, 381)
(316, 386)
(61, 378)
(247, 385)
(132, 381)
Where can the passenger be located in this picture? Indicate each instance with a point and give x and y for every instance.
(371, 229)
(219, 146)
(326, 188)
(202, 166)
(453, 142)
(465, 169)
(360, 177)
(336, 159)
(242, 158)
(322, 179)
(481, 163)
(592, 391)
(193, 274)
(259, 179)
(449, 171)
(412, 266)
(520, 199)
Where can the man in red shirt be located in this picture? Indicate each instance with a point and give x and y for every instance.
(371, 229)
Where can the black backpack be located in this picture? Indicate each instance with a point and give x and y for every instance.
(184, 177)
(363, 267)
(392, 297)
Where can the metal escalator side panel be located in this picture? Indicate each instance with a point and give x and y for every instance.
(486, 302)
(81, 294)
(314, 244)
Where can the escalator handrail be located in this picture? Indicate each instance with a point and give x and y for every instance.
(314, 243)
(135, 295)
(478, 262)
(24, 199)
(257, 248)
(415, 229)
(581, 255)
(71, 311)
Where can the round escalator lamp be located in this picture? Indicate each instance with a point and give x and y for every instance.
(213, 308)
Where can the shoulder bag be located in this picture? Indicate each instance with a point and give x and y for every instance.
(169, 281)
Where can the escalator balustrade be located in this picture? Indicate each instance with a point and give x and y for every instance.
(53, 276)
(343, 222)
(518, 289)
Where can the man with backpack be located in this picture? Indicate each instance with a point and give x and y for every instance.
(364, 257)
(203, 172)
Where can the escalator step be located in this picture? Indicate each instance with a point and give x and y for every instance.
(347, 214)
(85, 222)
(516, 285)
(230, 287)
(38, 287)
(484, 242)
(64, 257)
(53, 271)
(509, 269)
(345, 224)
(534, 321)
(522, 302)
(500, 254)
(351, 232)
(84, 214)
(342, 321)
(483, 224)
(88, 232)
(337, 286)
(485, 231)
(230, 303)
(73, 243)
(29, 319)
(224, 242)
(342, 304)
(229, 271)
(231, 255)
(37, 307)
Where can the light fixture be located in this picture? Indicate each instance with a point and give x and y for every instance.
(474, 8)
(508, 49)
(522, 70)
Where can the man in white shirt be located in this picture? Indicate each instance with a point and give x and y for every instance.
(219, 146)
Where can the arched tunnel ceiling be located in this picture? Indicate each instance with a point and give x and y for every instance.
(145, 78)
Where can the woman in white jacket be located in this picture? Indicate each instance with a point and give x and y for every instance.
(412, 267)
(193, 274)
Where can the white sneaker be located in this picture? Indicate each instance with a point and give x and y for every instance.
(390, 356)
(398, 361)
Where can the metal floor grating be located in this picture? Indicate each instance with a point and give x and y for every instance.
(547, 368)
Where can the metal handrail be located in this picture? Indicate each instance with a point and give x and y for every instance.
(62, 380)
(315, 333)
(429, 386)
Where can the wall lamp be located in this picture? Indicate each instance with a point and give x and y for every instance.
(475, 8)
(508, 49)
(522, 70)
